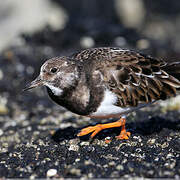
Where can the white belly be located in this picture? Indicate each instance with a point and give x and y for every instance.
(107, 107)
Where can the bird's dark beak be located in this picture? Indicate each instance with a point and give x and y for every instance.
(36, 83)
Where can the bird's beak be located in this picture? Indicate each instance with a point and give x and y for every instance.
(36, 83)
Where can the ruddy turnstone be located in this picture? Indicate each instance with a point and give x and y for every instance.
(107, 82)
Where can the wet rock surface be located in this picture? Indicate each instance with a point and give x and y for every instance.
(38, 138)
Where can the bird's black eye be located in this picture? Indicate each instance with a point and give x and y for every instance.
(53, 70)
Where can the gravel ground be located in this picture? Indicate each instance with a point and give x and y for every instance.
(38, 138)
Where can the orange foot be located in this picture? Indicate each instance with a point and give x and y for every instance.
(96, 129)
(123, 135)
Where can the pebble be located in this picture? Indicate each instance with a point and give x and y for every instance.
(87, 42)
(33, 176)
(1, 132)
(3, 109)
(112, 163)
(151, 141)
(73, 148)
(150, 172)
(51, 172)
(77, 160)
(165, 145)
(169, 155)
(168, 173)
(84, 143)
(74, 141)
(119, 167)
(143, 44)
(88, 162)
(75, 171)
(90, 175)
(1, 74)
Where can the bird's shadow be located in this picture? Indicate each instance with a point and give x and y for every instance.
(143, 128)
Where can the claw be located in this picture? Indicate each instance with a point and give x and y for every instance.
(94, 129)
(123, 135)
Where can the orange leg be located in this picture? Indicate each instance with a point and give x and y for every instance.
(96, 129)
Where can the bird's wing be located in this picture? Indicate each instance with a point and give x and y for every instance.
(136, 78)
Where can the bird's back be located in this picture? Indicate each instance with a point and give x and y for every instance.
(134, 77)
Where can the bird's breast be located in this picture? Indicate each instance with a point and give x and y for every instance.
(78, 100)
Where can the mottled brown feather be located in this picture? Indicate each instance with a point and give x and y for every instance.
(135, 78)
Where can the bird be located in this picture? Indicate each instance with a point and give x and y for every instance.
(107, 82)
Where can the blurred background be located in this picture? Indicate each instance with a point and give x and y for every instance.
(61, 24)
(36, 30)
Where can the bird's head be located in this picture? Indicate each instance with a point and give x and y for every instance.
(57, 74)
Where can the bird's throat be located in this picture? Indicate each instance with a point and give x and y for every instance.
(55, 90)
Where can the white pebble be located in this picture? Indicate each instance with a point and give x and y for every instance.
(1, 132)
(73, 148)
(87, 42)
(51, 172)
(1, 75)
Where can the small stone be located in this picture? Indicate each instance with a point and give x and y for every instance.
(151, 141)
(88, 162)
(74, 141)
(124, 161)
(169, 155)
(75, 171)
(119, 167)
(33, 176)
(112, 163)
(87, 42)
(29, 128)
(168, 173)
(1, 132)
(143, 44)
(1, 74)
(73, 147)
(105, 166)
(165, 145)
(150, 172)
(77, 160)
(90, 175)
(51, 172)
(134, 143)
(84, 143)
(3, 107)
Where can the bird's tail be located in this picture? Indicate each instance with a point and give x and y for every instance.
(173, 69)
